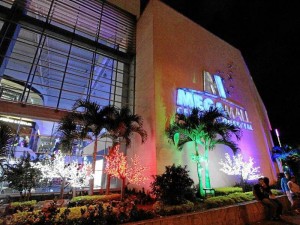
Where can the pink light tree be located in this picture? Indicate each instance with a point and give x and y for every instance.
(117, 166)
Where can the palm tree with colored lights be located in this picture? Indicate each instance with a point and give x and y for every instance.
(108, 121)
(123, 124)
(205, 128)
(94, 119)
(69, 132)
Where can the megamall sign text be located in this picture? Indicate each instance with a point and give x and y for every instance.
(187, 99)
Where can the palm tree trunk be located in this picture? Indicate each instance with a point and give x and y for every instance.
(108, 176)
(199, 170)
(91, 190)
(207, 177)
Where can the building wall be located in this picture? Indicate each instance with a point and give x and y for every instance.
(173, 52)
(132, 6)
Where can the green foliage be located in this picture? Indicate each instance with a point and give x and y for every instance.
(20, 207)
(206, 128)
(102, 213)
(24, 204)
(172, 186)
(230, 199)
(22, 176)
(277, 192)
(6, 139)
(166, 210)
(227, 190)
(92, 200)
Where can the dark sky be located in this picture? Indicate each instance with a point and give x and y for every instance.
(266, 34)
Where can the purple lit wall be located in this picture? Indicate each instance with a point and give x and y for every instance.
(175, 53)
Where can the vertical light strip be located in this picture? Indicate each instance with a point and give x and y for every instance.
(220, 86)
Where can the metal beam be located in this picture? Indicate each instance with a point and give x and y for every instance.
(31, 111)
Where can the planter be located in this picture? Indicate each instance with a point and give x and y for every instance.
(240, 214)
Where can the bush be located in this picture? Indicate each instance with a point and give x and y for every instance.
(230, 199)
(93, 200)
(166, 210)
(173, 185)
(23, 204)
(14, 207)
(227, 190)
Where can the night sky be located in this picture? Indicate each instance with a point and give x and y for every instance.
(266, 34)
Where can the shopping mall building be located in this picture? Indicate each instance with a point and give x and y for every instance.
(158, 62)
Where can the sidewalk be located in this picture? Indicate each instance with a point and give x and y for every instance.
(285, 220)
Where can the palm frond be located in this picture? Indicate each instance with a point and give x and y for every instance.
(6, 138)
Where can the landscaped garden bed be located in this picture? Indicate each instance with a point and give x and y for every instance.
(102, 209)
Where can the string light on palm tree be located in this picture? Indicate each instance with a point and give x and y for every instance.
(277, 135)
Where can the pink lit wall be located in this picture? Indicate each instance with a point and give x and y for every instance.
(173, 52)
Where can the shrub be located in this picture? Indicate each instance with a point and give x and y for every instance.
(172, 186)
(23, 204)
(14, 207)
(166, 210)
(93, 200)
(227, 190)
(230, 199)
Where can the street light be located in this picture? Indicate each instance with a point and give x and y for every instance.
(277, 134)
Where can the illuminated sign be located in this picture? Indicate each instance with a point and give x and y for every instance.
(21, 122)
(187, 99)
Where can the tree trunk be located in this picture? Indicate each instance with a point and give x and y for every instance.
(207, 177)
(91, 190)
(107, 191)
(74, 192)
(108, 176)
(199, 171)
(62, 188)
(123, 188)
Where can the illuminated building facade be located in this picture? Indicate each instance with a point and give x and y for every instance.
(158, 63)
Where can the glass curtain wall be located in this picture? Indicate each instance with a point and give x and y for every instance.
(54, 52)
(60, 51)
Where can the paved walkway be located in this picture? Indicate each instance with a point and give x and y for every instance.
(285, 220)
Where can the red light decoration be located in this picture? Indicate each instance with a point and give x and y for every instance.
(117, 166)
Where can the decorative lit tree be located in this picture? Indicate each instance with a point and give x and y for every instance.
(117, 166)
(205, 128)
(78, 175)
(93, 119)
(107, 121)
(123, 124)
(237, 166)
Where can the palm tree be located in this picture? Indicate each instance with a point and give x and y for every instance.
(6, 139)
(108, 121)
(93, 119)
(69, 132)
(205, 128)
(122, 125)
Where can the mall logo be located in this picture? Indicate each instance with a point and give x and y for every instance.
(214, 95)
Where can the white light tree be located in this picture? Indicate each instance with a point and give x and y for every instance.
(237, 166)
(77, 174)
